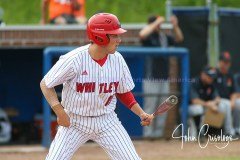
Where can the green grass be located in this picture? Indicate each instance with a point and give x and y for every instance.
(133, 11)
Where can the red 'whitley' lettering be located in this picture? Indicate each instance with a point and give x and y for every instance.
(89, 87)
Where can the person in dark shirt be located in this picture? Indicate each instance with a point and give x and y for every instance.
(203, 95)
(224, 81)
(155, 35)
(225, 85)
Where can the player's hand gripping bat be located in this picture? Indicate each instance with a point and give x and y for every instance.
(164, 107)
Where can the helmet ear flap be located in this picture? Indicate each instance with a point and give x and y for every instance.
(100, 39)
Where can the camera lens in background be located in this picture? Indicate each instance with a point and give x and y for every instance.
(166, 25)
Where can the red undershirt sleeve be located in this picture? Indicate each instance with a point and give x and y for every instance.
(127, 99)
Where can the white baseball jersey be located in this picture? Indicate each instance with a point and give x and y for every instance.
(88, 88)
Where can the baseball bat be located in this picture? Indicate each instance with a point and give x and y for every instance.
(164, 107)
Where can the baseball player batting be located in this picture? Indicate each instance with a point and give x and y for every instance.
(93, 77)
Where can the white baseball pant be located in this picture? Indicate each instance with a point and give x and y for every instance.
(106, 130)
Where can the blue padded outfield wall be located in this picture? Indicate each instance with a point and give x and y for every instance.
(134, 57)
(20, 74)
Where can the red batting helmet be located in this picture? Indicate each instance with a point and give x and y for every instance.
(101, 24)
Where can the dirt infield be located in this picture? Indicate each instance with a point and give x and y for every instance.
(148, 150)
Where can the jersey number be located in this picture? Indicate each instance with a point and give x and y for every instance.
(109, 100)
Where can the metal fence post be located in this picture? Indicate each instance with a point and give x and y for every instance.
(213, 35)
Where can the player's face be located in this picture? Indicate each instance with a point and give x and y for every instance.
(115, 40)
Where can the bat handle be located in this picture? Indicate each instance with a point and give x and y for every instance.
(146, 118)
(142, 121)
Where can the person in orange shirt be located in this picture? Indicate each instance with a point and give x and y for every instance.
(63, 12)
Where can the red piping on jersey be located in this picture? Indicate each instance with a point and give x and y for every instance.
(101, 61)
(127, 99)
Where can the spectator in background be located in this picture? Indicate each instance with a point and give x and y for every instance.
(154, 34)
(226, 88)
(204, 95)
(63, 12)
